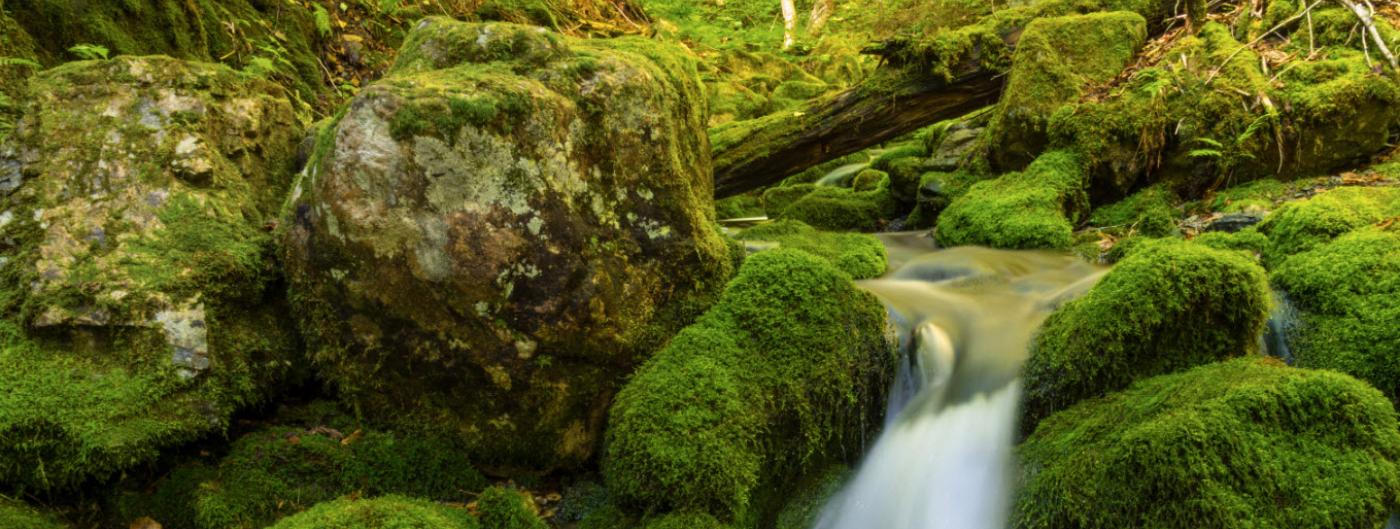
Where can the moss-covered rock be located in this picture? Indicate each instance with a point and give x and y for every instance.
(138, 302)
(739, 207)
(17, 515)
(805, 504)
(503, 508)
(1037, 208)
(870, 180)
(1301, 225)
(862, 256)
(1249, 442)
(1168, 305)
(388, 512)
(843, 209)
(787, 367)
(1056, 60)
(1349, 293)
(511, 219)
(684, 520)
(937, 190)
(1150, 211)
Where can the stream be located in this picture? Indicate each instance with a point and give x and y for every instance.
(965, 318)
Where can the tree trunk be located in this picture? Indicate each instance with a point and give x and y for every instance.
(789, 23)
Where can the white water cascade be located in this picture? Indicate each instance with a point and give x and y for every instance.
(966, 316)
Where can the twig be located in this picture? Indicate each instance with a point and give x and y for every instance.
(1364, 13)
(1216, 71)
(1312, 44)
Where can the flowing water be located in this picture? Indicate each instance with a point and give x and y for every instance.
(965, 316)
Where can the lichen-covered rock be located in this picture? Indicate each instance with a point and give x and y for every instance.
(137, 304)
(790, 365)
(1167, 306)
(1056, 60)
(386, 512)
(493, 235)
(1244, 443)
(1348, 291)
(1037, 208)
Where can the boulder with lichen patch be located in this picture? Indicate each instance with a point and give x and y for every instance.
(493, 235)
(136, 308)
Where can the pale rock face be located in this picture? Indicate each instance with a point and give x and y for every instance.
(516, 215)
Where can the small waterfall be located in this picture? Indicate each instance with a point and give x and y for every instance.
(842, 176)
(965, 316)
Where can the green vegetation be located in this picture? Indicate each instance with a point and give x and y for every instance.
(1301, 225)
(1167, 306)
(738, 402)
(805, 504)
(503, 508)
(1245, 441)
(860, 255)
(1349, 292)
(1037, 208)
(17, 515)
(1151, 212)
(388, 512)
(840, 208)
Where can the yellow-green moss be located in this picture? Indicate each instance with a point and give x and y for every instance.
(738, 402)
(1168, 305)
(1037, 208)
(843, 209)
(862, 256)
(1348, 291)
(1301, 225)
(17, 515)
(1151, 211)
(1248, 442)
(388, 512)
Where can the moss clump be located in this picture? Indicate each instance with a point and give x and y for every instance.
(738, 402)
(1349, 293)
(388, 512)
(776, 199)
(1056, 59)
(739, 207)
(839, 208)
(1252, 197)
(1168, 305)
(1249, 441)
(937, 190)
(1037, 208)
(17, 515)
(870, 180)
(807, 500)
(684, 520)
(861, 256)
(1248, 240)
(1298, 226)
(282, 470)
(1151, 212)
(503, 508)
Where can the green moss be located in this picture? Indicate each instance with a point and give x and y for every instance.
(1248, 240)
(936, 191)
(1168, 305)
(870, 180)
(1249, 441)
(862, 256)
(743, 206)
(776, 199)
(1151, 211)
(839, 208)
(684, 520)
(1036, 208)
(1348, 291)
(737, 403)
(1298, 226)
(808, 497)
(503, 508)
(388, 512)
(1056, 60)
(1256, 196)
(17, 515)
(282, 470)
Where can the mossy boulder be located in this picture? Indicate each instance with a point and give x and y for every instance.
(1302, 225)
(1348, 291)
(790, 365)
(511, 219)
(387, 512)
(504, 508)
(139, 307)
(283, 470)
(1056, 60)
(1167, 306)
(684, 520)
(1036, 208)
(937, 190)
(17, 515)
(860, 255)
(843, 209)
(1248, 442)
(1150, 211)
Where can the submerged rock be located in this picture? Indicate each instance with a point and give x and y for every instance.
(1245, 442)
(491, 237)
(138, 308)
(789, 367)
(1167, 306)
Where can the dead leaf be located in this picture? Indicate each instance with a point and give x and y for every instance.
(354, 436)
